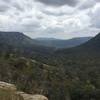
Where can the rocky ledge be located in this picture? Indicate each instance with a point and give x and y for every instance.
(9, 92)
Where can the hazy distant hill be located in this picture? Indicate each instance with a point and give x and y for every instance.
(43, 39)
(57, 43)
(90, 48)
(15, 41)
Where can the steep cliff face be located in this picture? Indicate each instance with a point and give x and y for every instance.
(9, 92)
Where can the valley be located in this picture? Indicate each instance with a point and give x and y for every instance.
(62, 74)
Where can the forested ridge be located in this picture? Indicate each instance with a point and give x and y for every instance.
(66, 74)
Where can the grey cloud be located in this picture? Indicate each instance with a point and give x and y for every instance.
(95, 17)
(97, 0)
(7, 1)
(42, 19)
(54, 13)
(17, 6)
(30, 25)
(54, 30)
(59, 2)
(3, 6)
(87, 4)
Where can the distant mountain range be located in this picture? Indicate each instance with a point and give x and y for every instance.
(57, 43)
(17, 40)
(89, 48)
(22, 44)
(43, 38)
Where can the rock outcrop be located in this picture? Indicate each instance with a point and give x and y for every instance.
(32, 97)
(9, 92)
(7, 86)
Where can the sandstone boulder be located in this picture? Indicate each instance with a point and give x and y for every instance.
(9, 92)
(32, 97)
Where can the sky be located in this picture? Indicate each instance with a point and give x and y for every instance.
(51, 18)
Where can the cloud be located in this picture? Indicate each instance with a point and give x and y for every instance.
(59, 2)
(61, 11)
(58, 18)
(97, 0)
(95, 16)
(3, 6)
(86, 4)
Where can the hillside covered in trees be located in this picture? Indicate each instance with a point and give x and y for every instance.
(61, 75)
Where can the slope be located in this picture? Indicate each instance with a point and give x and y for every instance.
(57, 43)
(19, 43)
(90, 48)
